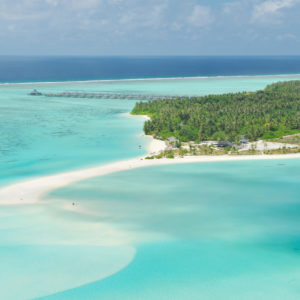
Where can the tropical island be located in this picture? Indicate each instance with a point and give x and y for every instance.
(262, 122)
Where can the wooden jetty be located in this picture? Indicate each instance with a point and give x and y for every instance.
(108, 96)
(105, 95)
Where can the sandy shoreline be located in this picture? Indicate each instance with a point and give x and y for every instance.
(154, 145)
(32, 191)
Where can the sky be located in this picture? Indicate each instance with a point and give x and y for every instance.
(150, 27)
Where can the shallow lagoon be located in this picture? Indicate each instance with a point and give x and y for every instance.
(225, 230)
(44, 248)
(41, 135)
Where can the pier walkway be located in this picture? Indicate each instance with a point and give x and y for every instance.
(105, 95)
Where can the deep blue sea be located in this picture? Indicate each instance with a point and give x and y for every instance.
(27, 69)
(214, 231)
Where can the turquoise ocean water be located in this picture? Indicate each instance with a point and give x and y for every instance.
(46, 135)
(225, 230)
(201, 231)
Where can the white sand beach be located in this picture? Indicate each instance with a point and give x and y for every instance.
(32, 191)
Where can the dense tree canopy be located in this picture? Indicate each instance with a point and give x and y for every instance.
(272, 112)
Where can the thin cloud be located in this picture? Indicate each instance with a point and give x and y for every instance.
(122, 26)
(271, 8)
(201, 16)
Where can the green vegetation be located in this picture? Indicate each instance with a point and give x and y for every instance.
(289, 139)
(268, 114)
(213, 151)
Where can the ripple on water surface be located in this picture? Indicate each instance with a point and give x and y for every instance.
(207, 229)
(203, 231)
